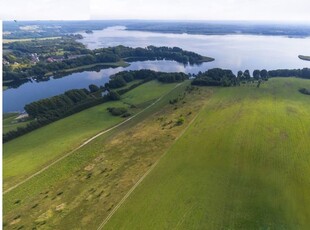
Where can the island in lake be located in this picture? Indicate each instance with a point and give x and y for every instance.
(305, 58)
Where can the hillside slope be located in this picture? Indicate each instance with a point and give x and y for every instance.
(243, 164)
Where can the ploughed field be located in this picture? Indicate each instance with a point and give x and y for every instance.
(243, 164)
(228, 158)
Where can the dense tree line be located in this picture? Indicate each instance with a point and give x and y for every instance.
(122, 78)
(301, 73)
(172, 77)
(222, 77)
(55, 106)
(52, 116)
(215, 77)
(51, 109)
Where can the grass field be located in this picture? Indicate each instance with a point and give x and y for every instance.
(8, 125)
(27, 154)
(5, 41)
(243, 164)
(98, 175)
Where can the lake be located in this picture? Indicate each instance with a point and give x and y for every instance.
(236, 52)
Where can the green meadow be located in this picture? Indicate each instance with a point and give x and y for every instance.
(96, 176)
(239, 160)
(9, 124)
(28, 154)
(244, 163)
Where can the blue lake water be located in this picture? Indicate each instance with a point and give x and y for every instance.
(236, 52)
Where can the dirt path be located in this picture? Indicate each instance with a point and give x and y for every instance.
(85, 143)
(143, 177)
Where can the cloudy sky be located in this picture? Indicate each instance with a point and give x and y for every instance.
(274, 10)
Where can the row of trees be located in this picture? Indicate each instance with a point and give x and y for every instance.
(172, 77)
(57, 104)
(51, 109)
(301, 73)
(257, 75)
(215, 77)
(222, 77)
(122, 78)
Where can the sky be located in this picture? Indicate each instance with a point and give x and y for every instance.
(270, 10)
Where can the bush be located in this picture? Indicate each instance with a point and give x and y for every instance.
(114, 96)
(118, 111)
(304, 91)
(180, 121)
(127, 114)
(93, 88)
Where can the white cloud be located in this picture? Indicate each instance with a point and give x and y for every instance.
(202, 9)
(288, 10)
(44, 9)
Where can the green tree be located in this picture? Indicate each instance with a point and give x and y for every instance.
(114, 96)
(256, 75)
(264, 74)
(247, 75)
(93, 88)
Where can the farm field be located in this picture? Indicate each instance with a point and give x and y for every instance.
(27, 154)
(244, 163)
(97, 176)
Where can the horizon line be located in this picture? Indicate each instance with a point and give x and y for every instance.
(165, 20)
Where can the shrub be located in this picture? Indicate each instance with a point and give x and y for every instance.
(118, 111)
(180, 121)
(114, 96)
(304, 91)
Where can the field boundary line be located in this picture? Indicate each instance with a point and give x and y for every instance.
(87, 142)
(105, 221)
